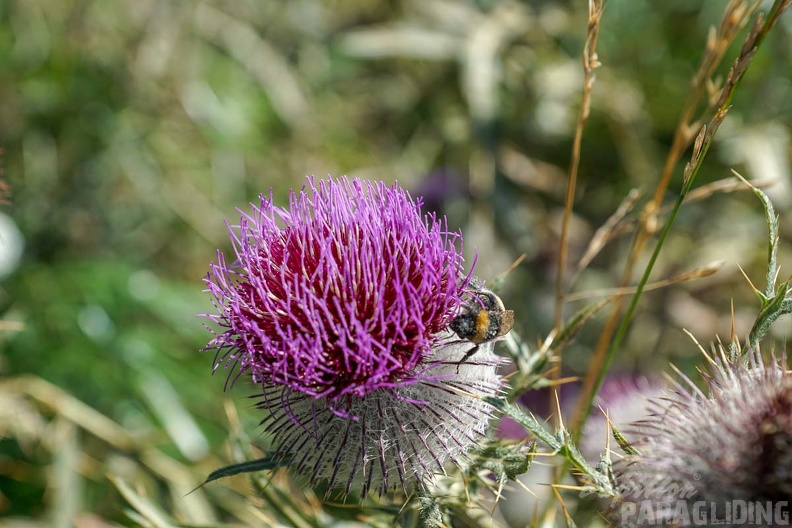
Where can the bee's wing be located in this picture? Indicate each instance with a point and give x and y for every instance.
(507, 321)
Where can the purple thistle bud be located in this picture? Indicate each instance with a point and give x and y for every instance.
(732, 443)
(339, 308)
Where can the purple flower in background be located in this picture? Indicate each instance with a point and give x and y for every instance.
(338, 307)
(441, 188)
(626, 399)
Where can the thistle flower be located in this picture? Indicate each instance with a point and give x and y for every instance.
(732, 443)
(339, 307)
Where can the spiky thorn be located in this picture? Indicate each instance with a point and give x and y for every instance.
(751, 284)
(698, 345)
(564, 510)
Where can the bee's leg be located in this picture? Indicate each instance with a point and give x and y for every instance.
(466, 357)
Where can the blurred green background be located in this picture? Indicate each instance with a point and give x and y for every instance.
(132, 129)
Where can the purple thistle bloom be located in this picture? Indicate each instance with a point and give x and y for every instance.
(341, 295)
(339, 308)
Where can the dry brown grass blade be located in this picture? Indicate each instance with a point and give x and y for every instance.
(194, 507)
(697, 273)
(725, 186)
(65, 405)
(590, 62)
(628, 225)
(145, 507)
(736, 16)
(618, 225)
(65, 482)
(11, 326)
(608, 230)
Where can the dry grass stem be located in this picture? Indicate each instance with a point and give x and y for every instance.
(590, 62)
(609, 230)
(697, 273)
(735, 18)
(725, 186)
(194, 507)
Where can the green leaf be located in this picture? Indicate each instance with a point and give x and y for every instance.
(623, 442)
(772, 248)
(773, 302)
(262, 464)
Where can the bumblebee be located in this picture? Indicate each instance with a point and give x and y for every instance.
(482, 318)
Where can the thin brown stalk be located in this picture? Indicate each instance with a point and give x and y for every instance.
(736, 16)
(619, 223)
(608, 230)
(590, 62)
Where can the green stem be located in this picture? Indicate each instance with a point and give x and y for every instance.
(559, 443)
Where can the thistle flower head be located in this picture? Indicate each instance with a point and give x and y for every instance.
(340, 295)
(732, 442)
(338, 307)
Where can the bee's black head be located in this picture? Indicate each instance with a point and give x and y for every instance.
(465, 325)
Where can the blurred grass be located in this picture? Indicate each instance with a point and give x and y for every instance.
(130, 130)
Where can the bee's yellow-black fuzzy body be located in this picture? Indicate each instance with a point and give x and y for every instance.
(483, 317)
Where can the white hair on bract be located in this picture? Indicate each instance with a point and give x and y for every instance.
(390, 438)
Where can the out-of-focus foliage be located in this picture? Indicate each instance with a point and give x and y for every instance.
(131, 130)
